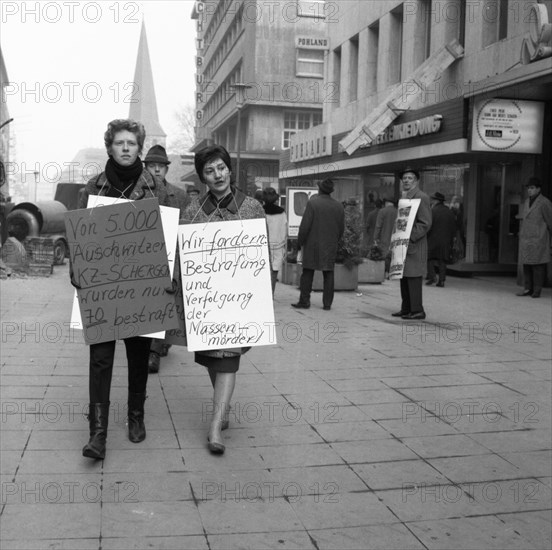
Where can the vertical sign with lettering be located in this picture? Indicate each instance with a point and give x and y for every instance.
(401, 235)
(119, 261)
(227, 292)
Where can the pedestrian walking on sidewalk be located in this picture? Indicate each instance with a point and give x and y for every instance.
(439, 239)
(157, 164)
(124, 177)
(222, 202)
(321, 227)
(277, 231)
(534, 239)
(415, 264)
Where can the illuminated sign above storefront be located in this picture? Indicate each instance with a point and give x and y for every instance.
(507, 125)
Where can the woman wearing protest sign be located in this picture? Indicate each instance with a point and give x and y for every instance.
(222, 202)
(124, 177)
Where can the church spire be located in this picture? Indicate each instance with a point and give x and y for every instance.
(143, 106)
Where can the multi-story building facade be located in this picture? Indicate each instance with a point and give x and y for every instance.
(260, 69)
(460, 90)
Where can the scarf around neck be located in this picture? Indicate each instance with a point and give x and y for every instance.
(121, 177)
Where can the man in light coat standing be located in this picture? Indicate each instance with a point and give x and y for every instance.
(535, 239)
(321, 227)
(415, 264)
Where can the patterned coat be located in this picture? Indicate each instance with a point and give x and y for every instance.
(202, 210)
(535, 233)
(322, 226)
(415, 264)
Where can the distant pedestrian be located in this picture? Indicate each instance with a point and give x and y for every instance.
(277, 231)
(371, 219)
(439, 239)
(193, 192)
(124, 177)
(322, 225)
(157, 164)
(385, 222)
(534, 239)
(415, 264)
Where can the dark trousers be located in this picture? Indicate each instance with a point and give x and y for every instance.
(436, 266)
(411, 294)
(533, 276)
(305, 287)
(101, 367)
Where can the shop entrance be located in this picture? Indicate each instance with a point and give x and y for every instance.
(499, 204)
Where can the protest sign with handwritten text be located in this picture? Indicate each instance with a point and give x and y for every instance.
(119, 261)
(169, 220)
(225, 274)
(401, 235)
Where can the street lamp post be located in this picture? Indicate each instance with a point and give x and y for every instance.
(239, 87)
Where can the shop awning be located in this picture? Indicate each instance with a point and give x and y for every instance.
(401, 97)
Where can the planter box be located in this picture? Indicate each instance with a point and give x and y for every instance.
(371, 272)
(344, 279)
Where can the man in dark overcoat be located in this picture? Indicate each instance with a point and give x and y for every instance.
(415, 264)
(439, 239)
(321, 227)
(157, 164)
(535, 237)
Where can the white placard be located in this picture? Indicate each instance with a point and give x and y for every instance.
(226, 284)
(401, 235)
(296, 202)
(169, 218)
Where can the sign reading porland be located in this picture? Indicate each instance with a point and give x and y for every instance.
(119, 261)
(225, 273)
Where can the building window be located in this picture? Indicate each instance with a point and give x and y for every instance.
(337, 75)
(310, 63)
(295, 121)
(372, 60)
(353, 68)
(495, 21)
(396, 46)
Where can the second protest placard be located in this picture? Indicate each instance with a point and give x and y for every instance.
(225, 273)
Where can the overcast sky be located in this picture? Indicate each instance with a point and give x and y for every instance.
(70, 65)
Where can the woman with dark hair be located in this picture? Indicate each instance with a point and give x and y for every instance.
(277, 231)
(124, 177)
(222, 202)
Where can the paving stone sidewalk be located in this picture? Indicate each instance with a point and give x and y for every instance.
(355, 430)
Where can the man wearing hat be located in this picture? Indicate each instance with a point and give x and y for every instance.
(439, 239)
(322, 225)
(535, 237)
(157, 164)
(415, 264)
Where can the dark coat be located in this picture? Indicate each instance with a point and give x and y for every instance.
(535, 233)
(176, 197)
(371, 220)
(385, 223)
(416, 255)
(322, 226)
(441, 234)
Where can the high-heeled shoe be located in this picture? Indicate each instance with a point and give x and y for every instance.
(216, 447)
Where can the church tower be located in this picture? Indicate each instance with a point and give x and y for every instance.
(143, 106)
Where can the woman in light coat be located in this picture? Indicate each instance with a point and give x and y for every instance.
(535, 239)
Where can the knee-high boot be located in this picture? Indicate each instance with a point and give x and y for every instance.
(98, 417)
(136, 427)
